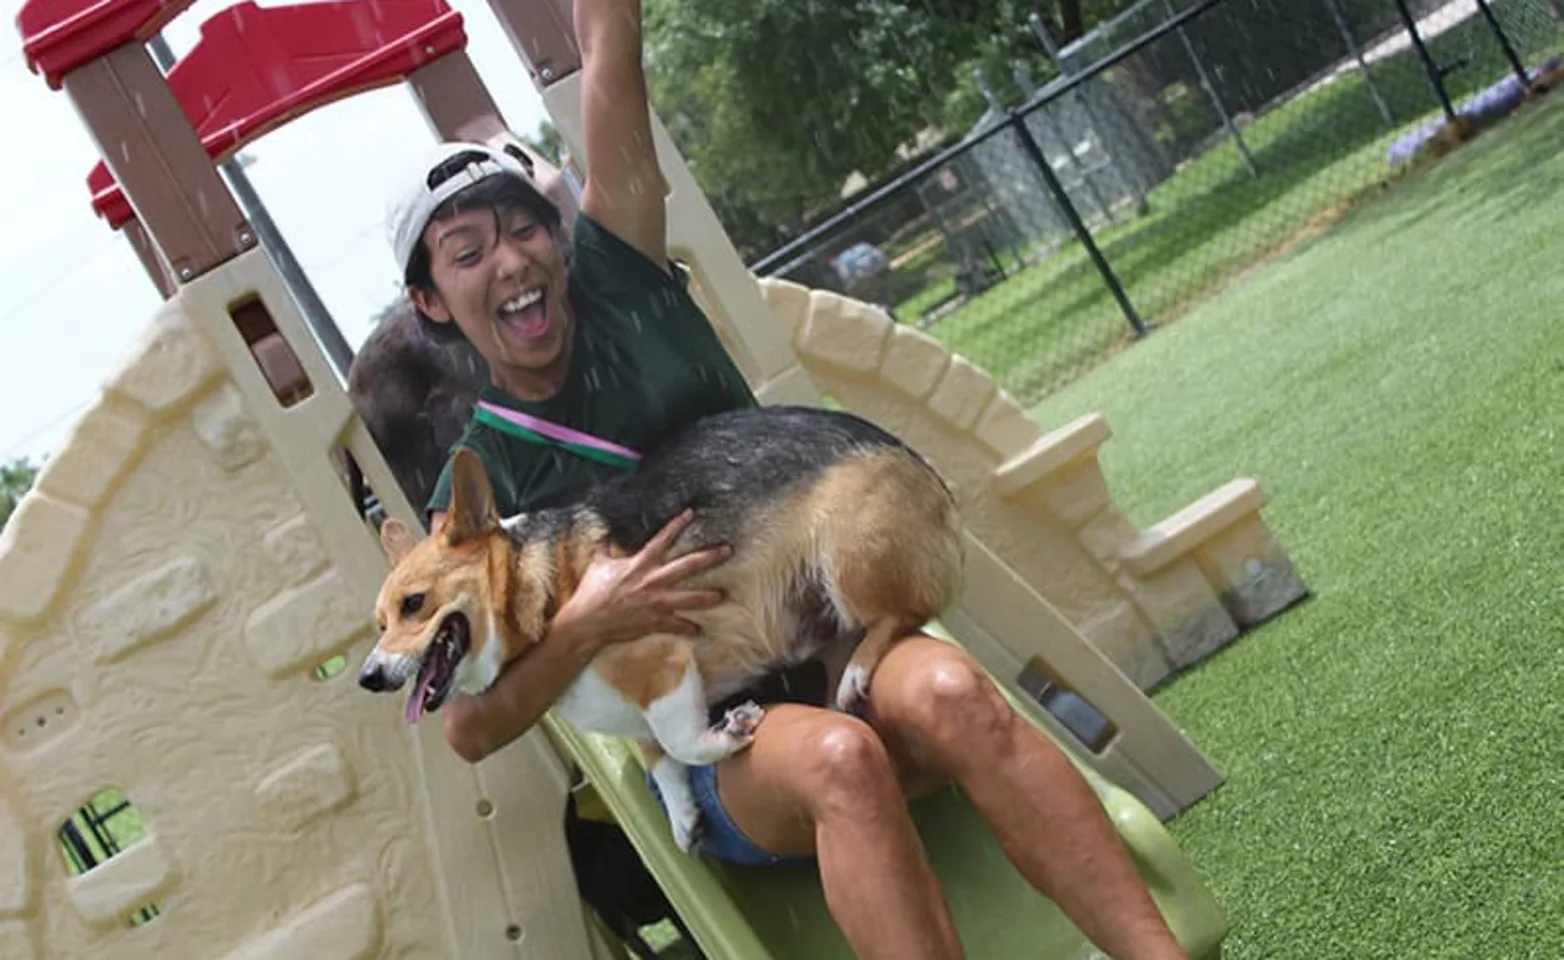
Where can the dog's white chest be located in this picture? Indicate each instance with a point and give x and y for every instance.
(592, 704)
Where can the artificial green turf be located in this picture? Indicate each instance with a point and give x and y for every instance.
(1394, 749)
(1054, 320)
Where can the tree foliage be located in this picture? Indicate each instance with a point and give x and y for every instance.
(775, 103)
(16, 478)
(547, 142)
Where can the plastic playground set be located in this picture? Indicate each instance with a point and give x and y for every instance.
(191, 560)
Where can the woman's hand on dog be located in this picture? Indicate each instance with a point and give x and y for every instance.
(618, 599)
(625, 598)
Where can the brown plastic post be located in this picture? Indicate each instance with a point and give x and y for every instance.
(150, 259)
(147, 142)
(455, 101)
(543, 32)
(458, 107)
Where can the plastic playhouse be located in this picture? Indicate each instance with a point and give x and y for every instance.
(191, 562)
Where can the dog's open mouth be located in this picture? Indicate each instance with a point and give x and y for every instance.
(437, 674)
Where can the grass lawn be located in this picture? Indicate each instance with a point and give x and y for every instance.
(1392, 748)
(1053, 321)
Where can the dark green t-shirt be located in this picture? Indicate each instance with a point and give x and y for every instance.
(645, 361)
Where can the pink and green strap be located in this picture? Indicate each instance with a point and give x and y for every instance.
(546, 433)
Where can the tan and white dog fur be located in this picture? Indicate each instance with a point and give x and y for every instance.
(841, 536)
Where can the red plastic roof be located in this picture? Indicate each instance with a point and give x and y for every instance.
(60, 35)
(256, 68)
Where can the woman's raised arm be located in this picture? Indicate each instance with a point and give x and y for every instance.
(625, 190)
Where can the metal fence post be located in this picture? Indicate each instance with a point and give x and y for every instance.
(1216, 98)
(1051, 50)
(1084, 176)
(1357, 54)
(1017, 123)
(1430, 69)
(1504, 43)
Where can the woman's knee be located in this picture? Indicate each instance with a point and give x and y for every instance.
(806, 765)
(842, 761)
(944, 701)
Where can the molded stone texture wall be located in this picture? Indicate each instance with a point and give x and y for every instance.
(166, 595)
(1038, 498)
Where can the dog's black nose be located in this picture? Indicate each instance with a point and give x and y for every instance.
(373, 678)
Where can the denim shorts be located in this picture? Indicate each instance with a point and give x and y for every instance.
(721, 838)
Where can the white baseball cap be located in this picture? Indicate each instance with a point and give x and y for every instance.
(442, 172)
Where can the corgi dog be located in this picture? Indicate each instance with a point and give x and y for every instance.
(842, 537)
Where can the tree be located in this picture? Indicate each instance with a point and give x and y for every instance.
(547, 142)
(16, 478)
(774, 103)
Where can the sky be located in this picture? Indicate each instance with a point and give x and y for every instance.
(73, 295)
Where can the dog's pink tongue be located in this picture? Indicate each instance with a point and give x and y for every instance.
(415, 701)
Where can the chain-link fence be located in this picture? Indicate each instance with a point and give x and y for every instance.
(1187, 141)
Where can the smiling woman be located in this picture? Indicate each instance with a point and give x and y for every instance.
(585, 337)
(589, 334)
(491, 265)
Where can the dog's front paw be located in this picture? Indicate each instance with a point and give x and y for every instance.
(688, 828)
(852, 693)
(716, 743)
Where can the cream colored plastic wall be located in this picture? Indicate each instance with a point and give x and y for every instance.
(185, 562)
(1151, 601)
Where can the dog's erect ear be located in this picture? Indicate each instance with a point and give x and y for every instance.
(472, 509)
(396, 538)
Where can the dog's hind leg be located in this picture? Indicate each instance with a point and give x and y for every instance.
(852, 691)
(673, 782)
(678, 721)
(890, 548)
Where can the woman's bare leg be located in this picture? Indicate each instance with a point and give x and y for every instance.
(818, 781)
(933, 704)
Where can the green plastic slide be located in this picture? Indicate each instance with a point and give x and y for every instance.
(778, 913)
